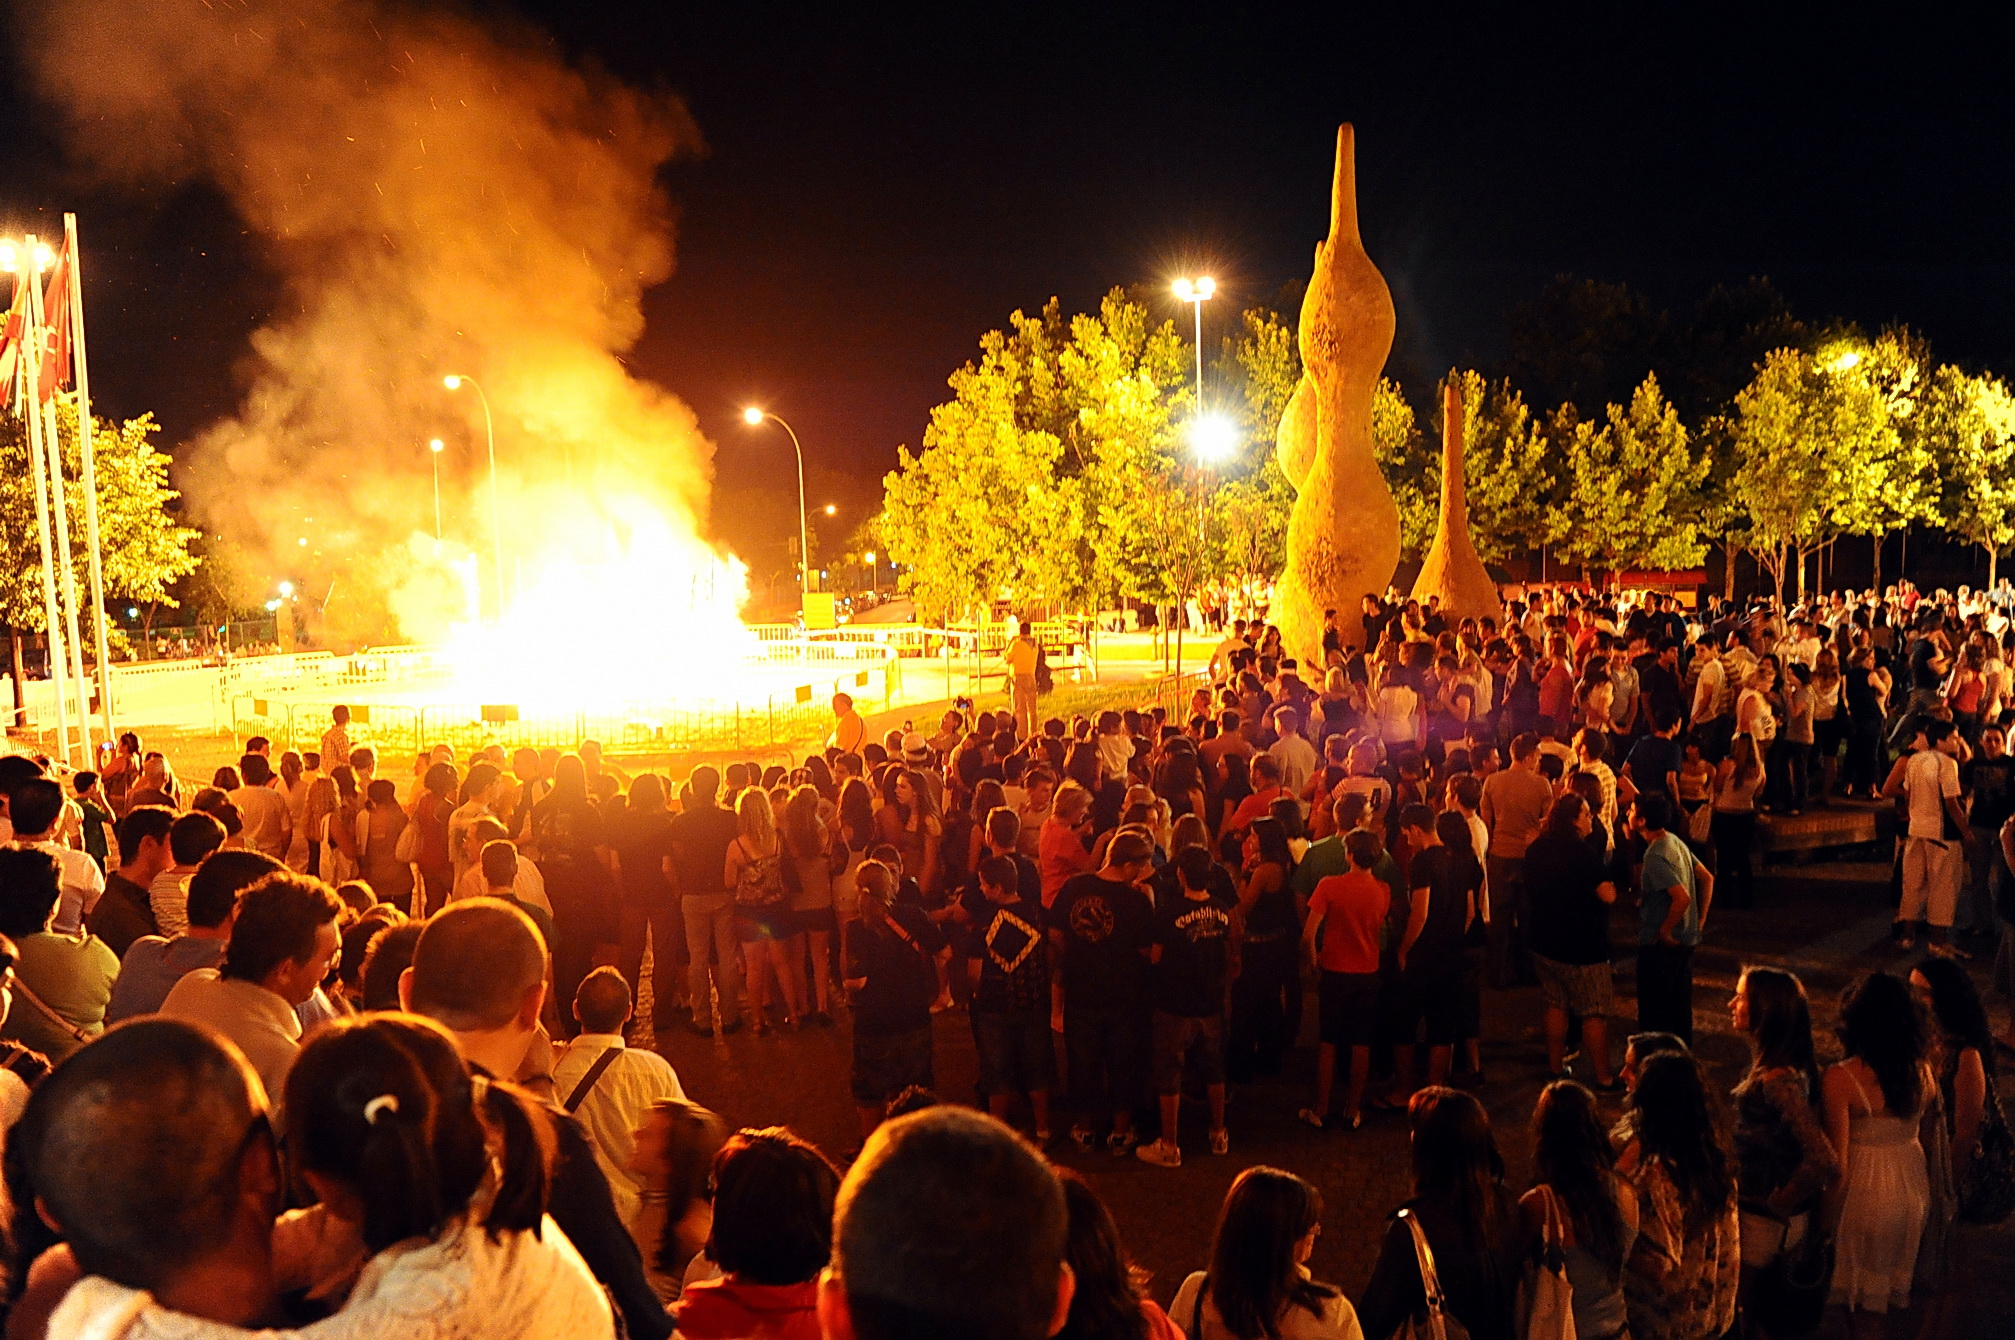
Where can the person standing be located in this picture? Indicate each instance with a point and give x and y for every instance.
(891, 976)
(1571, 895)
(1514, 806)
(268, 819)
(1195, 960)
(1353, 906)
(849, 731)
(1020, 657)
(1676, 893)
(701, 836)
(574, 857)
(336, 741)
(1100, 927)
(1989, 782)
(1933, 854)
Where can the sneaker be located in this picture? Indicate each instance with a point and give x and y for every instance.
(1220, 1141)
(1308, 1116)
(1121, 1143)
(1161, 1154)
(1083, 1138)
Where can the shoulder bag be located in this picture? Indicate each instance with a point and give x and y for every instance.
(1986, 1190)
(1545, 1297)
(1432, 1322)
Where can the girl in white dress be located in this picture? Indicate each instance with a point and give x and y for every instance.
(1874, 1101)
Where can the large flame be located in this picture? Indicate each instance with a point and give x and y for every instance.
(615, 607)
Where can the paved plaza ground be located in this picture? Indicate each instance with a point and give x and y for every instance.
(1827, 922)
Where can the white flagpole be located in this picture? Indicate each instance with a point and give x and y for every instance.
(29, 384)
(52, 446)
(90, 472)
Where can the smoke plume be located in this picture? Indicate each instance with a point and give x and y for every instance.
(439, 196)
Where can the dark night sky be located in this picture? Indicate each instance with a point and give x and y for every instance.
(882, 185)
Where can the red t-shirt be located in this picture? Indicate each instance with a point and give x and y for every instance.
(1060, 854)
(1353, 907)
(1254, 806)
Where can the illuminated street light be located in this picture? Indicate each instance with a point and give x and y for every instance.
(1213, 438)
(874, 570)
(434, 448)
(754, 417)
(1848, 360)
(10, 256)
(1196, 293)
(454, 381)
(287, 590)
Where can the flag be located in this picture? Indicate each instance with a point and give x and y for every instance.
(12, 332)
(56, 328)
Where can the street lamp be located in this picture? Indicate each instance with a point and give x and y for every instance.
(1197, 292)
(874, 571)
(1213, 438)
(434, 447)
(754, 417)
(455, 381)
(832, 509)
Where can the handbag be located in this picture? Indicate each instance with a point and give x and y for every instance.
(1432, 1322)
(1986, 1184)
(1790, 1298)
(1545, 1297)
(1700, 821)
(406, 850)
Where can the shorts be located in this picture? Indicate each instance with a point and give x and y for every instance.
(768, 923)
(816, 919)
(886, 1064)
(1176, 1037)
(1435, 1001)
(1581, 989)
(1015, 1052)
(1105, 1050)
(1349, 1002)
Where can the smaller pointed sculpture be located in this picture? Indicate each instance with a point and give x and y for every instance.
(1453, 572)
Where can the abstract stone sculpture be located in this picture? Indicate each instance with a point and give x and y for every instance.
(1452, 571)
(1343, 539)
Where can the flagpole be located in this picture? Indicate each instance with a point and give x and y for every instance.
(52, 446)
(85, 428)
(30, 385)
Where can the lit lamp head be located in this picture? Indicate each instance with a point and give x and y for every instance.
(1195, 290)
(753, 416)
(452, 381)
(436, 446)
(286, 590)
(11, 256)
(832, 509)
(1213, 438)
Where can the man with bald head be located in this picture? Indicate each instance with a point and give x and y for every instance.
(479, 971)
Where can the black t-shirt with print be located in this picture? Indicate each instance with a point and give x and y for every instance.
(1014, 957)
(900, 966)
(1195, 939)
(1107, 927)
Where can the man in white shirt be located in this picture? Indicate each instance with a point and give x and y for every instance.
(1297, 756)
(608, 1086)
(1934, 860)
(336, 741)
(281, 947)
(36, 807)
(268, 820)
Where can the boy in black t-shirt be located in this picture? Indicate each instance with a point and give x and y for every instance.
(1195, 958)
(1100, 927)
(891, 978)
(1010, 1000)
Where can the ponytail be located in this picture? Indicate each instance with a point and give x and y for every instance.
(397, 1169)
(525, 1159)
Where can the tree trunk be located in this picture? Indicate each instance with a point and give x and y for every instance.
(1875, 579)
(1728, 554)
(1993, 562)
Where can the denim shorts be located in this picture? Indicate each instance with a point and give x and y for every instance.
(1176, 1039)
(1015, 1052)
(886, 1065)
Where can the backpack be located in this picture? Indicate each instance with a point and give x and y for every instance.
(761, 881)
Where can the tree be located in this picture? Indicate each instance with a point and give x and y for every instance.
(1634, 487)
(1410, 464)
(1972, 419)
(142, 548)
(1584, 342)
(1894, 466)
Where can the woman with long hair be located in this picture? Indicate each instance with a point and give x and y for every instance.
(1576, 1191)
(771, 1237)
(1829, 718)
(808, 844)
(1686, 1267)
(1179, 782)
(1965, 1070)
(1865, 689)
(908, 821)
(1258, 1286)
(1737, 785)
(1784, 1162)
(121, 771)
(1470, 1220)
(1874, 1100)
(1110, 1300)
(754, 871)
(1258, 1035)
(443, 1178)
(672, 1155)
(381, 823)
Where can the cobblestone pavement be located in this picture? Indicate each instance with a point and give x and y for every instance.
(1827, 922)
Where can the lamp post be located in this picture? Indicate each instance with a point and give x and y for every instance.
(874, 572)
(434, 447)
(1197, 292)
(455, 381)
(754, 417)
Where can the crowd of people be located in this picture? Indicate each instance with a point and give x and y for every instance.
(363, 1018)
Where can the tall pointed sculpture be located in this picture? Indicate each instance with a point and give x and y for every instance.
(1452, 571)
(1343, 539)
